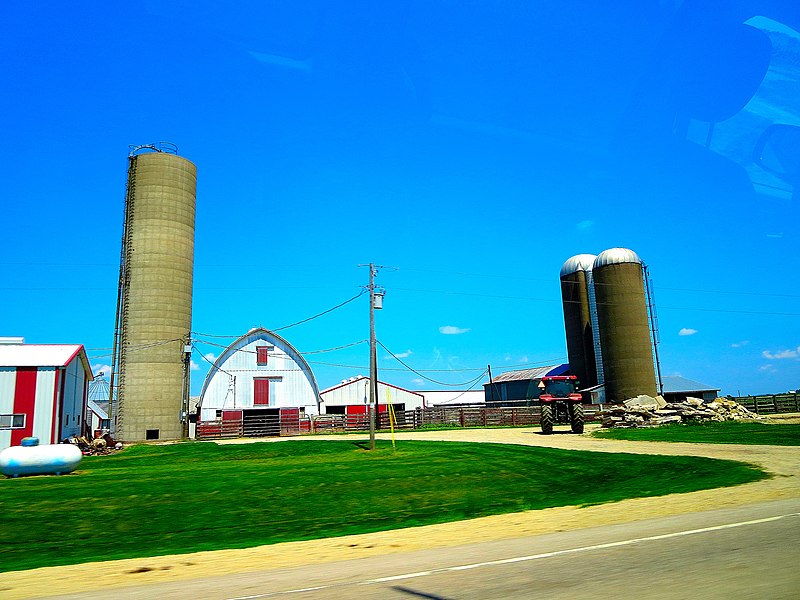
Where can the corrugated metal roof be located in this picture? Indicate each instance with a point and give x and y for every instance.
(38, 355)
(355, 380)
(97, 409)
(524, 374)
(677, 384)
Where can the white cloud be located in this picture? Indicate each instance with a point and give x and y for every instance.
(767, 368)
(405, 354)
(101, 368)
(194, 366)
(211, 357)
(781, 354)
(452, 330)
(687, 331)
(585, 224)
(740, 344)
(418, 381)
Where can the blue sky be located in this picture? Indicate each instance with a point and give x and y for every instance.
(471, 147)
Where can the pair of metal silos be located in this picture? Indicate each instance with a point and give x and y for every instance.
(607, 323)
(154, 305)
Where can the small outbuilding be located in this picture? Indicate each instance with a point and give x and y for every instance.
(677, 389)
(351, 397)
(44, 391)
(518, 388)
(260, 384)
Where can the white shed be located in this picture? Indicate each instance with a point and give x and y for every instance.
(259, 380)
(352, 397)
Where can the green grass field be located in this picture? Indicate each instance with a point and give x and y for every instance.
(155, 500)
(726, 432)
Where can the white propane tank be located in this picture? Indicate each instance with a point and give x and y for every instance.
(32, 459)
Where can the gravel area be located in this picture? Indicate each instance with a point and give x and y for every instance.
(782, 462)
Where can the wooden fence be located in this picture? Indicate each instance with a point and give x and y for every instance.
(771, 404)
(443, 416)
(421, 418)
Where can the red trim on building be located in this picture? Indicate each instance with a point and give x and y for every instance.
(261, 391)
(231, 415)
(74, 354)
(24, 402)
(55, 432)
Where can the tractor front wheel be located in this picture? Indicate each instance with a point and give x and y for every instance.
(576, 417)
(547, 419)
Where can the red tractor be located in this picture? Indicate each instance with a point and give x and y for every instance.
(560, 403)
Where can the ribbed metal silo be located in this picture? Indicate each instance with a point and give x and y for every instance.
(154, 312)
(575, 297)
(623, 325)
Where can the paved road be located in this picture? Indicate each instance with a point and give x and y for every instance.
(751, 551)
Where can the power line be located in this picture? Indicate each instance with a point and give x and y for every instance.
(324, 312)
(471, 381)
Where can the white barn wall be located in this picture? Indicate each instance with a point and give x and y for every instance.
(43, 408)
(357, 392)
(75, 390)
(292, 385)
(8, 384)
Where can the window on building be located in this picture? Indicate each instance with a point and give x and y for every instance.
(151, 434)
(261, 355)
(12, 421)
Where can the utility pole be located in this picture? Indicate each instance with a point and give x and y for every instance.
(375, 302)
(373, 360)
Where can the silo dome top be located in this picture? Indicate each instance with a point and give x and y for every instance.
(616, 256)
(579, 262)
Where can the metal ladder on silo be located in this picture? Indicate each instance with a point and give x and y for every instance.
(115, 409)
(652, 317)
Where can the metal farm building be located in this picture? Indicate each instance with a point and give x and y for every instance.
(351, 398)
(43, 392)
(259, 385)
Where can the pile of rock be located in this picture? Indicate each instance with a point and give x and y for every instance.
(646, 411)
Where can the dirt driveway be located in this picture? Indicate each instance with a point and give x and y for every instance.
(783, 462)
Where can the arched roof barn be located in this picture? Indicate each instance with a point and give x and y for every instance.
(258, 371)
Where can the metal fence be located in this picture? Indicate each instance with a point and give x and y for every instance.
(771, 404)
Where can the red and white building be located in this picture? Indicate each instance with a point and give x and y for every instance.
(351, 397)
(43, 392)
(259, 385)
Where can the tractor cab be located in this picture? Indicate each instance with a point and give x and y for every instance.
(560, 403)
(559, 387)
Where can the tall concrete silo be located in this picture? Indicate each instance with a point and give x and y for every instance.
(576, 297)
(154, 313)
(623, 325)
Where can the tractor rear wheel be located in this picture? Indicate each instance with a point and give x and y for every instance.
(576, 417)
(547, 419)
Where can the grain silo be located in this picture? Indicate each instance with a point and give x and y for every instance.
(154, 312)
(577, 297)
(623, 325)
